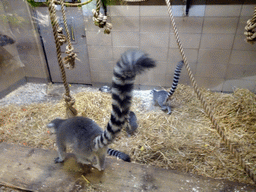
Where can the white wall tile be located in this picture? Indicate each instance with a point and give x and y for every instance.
(160, 67)
(100, 52)
(154, 39)
(241, 25)
(187, 40)
(123, 10)
(248, 10)
(117, 51)
(125, 38)
(174, 55)
(214, 84)
(217, 41)
(197, 11)
(241, 44)
(98, 38)
(213, 56)
(157, 11)
(178, 10)
(240, 71)
(214, 70)
(125, 23)
(243, 57)
(188, 24)
(101, 65)
(154, 24)
(152, 78)
(223, 10)
(157, 53)
(220, 25)
(101, 76)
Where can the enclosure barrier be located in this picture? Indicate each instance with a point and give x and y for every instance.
(207, 109)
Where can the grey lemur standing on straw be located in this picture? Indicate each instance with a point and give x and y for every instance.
(88, 141)
(160, 97)
(72, 129)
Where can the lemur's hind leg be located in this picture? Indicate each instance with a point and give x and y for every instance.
(169, 110)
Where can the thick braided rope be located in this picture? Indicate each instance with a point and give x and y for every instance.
(69, 60)
(250, 29)
(98, 6)
(69, 100)
(205, 106)
(65, 23)
(74, 4)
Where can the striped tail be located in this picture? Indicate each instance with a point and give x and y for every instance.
(119, 154)
(132, 63)
(176, 78)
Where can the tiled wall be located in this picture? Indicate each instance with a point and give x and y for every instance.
(212, 37)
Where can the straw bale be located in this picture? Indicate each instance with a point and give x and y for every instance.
(184, 140)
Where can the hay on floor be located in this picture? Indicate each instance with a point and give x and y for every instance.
(184, 140)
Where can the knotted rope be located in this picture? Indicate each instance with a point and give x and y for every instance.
(70, 110)
(250, 29)
(207, 109)
(69, 60)
(100, 20)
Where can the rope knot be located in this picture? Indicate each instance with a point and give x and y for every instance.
(100, 20)
(108, 28)
(70, 101)
(61, 37)
(250, 31)
(69, 60)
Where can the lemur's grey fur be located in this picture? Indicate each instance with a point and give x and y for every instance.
(160, 97)
(88, 140)
(72, 131)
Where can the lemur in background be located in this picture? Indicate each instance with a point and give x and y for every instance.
(88, 141)
(160, 97)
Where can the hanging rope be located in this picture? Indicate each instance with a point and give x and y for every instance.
(207, 109)
(250, 29)
(74, 4)
(133, 1)
(70, 110)
(100, 20)
(69, 60)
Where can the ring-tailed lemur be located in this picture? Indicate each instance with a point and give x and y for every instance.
(67, 126)
(90, 142)
(161, 96)
(132, 119)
